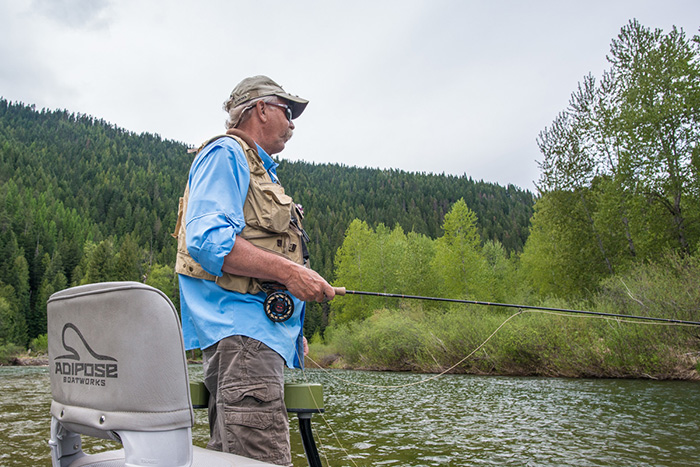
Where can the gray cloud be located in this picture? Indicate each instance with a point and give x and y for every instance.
(85, 14)
(419, 85)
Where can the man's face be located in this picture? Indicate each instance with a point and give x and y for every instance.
(280, 127)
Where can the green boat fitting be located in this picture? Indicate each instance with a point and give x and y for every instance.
(303, 399)
(199, 395)
(298, 397)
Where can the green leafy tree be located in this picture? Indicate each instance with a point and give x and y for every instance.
(53, 281)
(386, 252)
(501, 271)
(620, 164)
(658, 77)
(352, 266)
(416, 277)
(100, 264)
(9, 252)
(559, 258)
(20, 283)
(163, 278)
(459, 266)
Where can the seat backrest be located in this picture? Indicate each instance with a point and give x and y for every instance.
(117, 360)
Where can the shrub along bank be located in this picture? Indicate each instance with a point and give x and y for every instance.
(528, 345)
(411, 338)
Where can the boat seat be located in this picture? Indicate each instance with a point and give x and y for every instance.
(118, 371)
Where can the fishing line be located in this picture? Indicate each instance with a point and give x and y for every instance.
(565, 312)
(610, 318)
(311, 393)
(425, 380)
(355, 383)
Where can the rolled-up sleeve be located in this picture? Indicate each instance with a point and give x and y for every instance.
(218, 181)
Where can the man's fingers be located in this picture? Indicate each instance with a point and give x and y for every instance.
(328, 295)
(310, 286)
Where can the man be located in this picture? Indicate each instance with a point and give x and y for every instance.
(238, 232)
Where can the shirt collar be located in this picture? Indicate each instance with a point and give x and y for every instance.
(268, 162)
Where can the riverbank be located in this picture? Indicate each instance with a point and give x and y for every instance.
(25, 360)
(469, 341)
(324, 356)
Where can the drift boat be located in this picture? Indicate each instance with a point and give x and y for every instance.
(118, 371)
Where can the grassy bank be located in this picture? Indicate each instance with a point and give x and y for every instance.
(12, 355)
(36, 354)
(411, 338)
(529, 344)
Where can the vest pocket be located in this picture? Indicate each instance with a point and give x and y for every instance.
(270, 207)
(185, 264)
(285, 245)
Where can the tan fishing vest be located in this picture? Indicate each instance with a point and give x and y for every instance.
(273, 222)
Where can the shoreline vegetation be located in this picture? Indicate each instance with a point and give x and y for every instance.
(464, 342)
(678, 365)
(324, 357)
(394, 334)
(26, 360)
(461, 342)
(422, 337)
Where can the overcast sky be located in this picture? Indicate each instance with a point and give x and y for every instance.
(460, 87)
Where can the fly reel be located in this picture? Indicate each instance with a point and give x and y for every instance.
(278, 305)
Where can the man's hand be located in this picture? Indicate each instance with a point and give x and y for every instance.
(245, 259)
(307, 285)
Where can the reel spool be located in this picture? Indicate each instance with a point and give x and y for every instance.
(278, 306)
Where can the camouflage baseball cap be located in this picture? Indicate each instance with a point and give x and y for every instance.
(262, 86)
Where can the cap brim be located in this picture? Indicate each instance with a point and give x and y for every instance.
(295, 102)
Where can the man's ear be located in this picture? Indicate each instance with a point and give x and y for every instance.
(261, 111)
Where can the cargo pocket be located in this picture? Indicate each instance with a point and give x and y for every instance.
(272, 208)
(256, 424)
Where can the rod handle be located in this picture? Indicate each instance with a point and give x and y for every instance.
(339, 290)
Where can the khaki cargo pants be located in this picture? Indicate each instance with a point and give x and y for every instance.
(247, 416)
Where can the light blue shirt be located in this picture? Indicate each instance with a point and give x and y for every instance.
(218, 180)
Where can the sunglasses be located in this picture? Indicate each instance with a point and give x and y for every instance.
(287, 110)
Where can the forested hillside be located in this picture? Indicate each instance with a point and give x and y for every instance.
(82, 200)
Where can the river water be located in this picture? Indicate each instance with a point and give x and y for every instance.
(400, 419)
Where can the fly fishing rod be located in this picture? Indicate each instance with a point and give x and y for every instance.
(343, 291)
